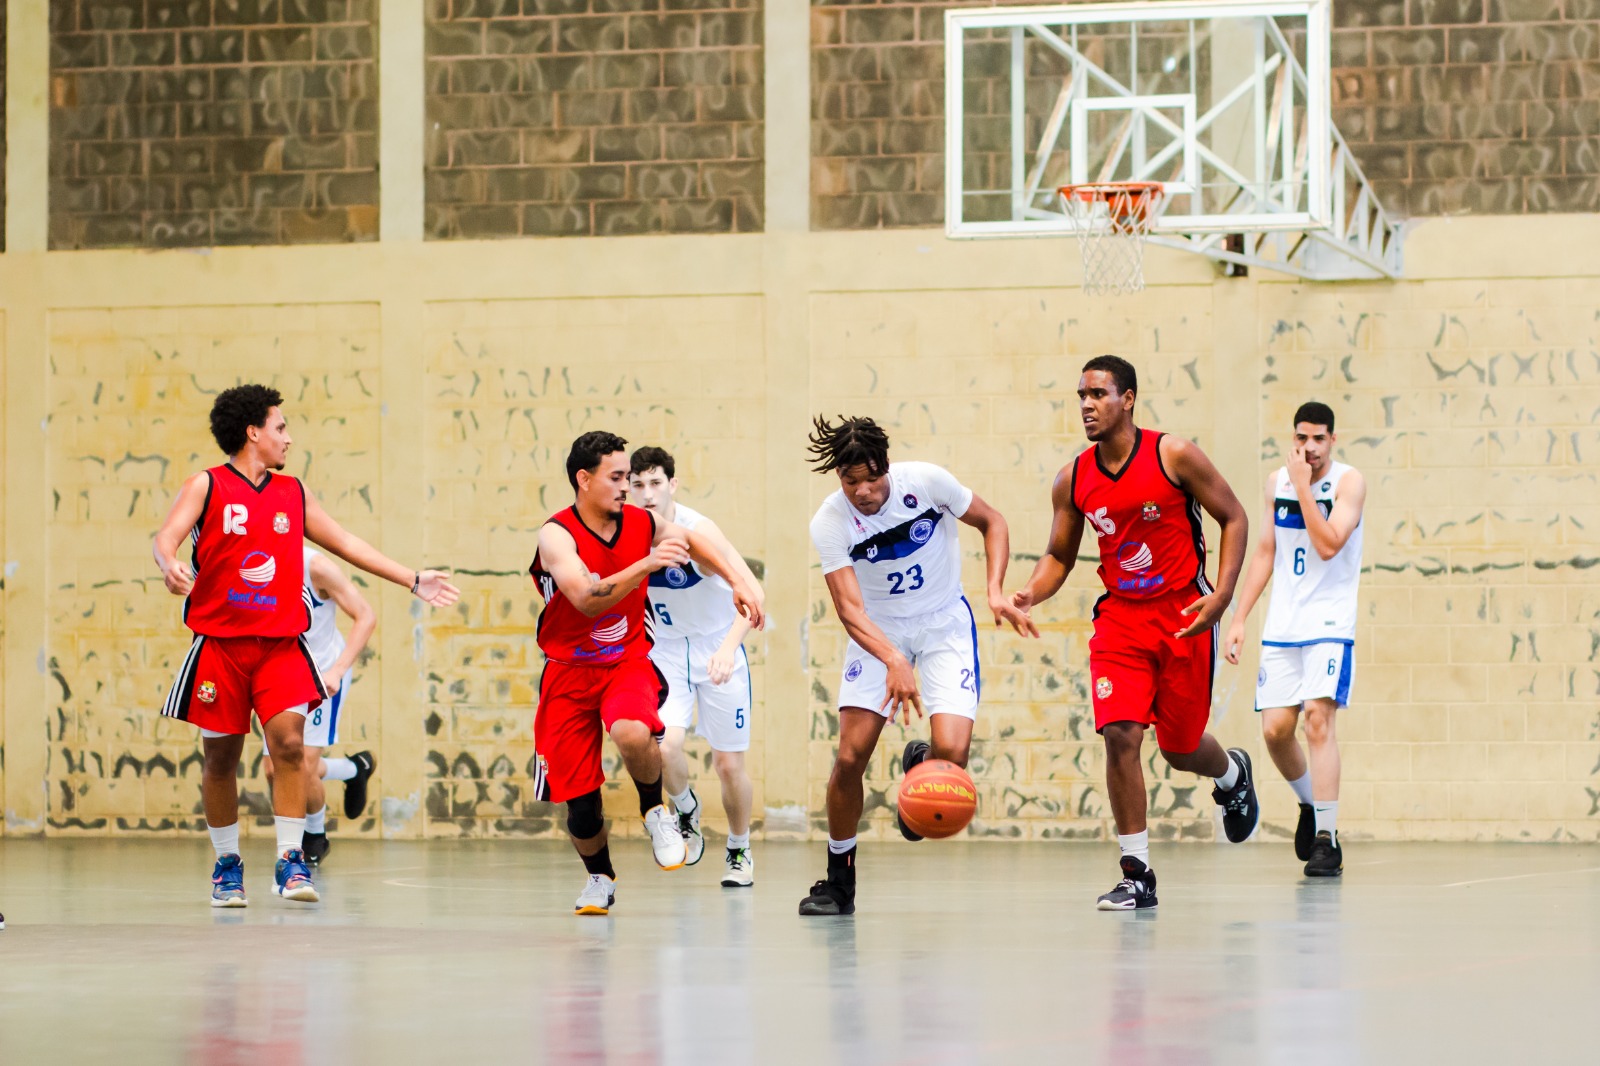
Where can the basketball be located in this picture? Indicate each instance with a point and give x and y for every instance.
(937, 799)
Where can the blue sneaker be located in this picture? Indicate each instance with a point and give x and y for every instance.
(292, 879)
(227, 883)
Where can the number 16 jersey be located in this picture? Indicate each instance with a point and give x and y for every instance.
(907, 557)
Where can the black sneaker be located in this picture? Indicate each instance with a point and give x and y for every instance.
(1305, 831)
(355, 789)
(1327, 857)
(836, 893)
(1240, 809)
(316, 847)
(1135, 892)
(2, 921)
(916, 751)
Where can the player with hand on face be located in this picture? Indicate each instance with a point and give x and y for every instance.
(699, 647)
(1152, 658)
(892, 561)
(1310, 549)
(590, 569)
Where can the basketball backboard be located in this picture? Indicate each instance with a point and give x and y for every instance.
(1225, 104)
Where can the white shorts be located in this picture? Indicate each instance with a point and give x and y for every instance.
(724, 718)
(1316, 671)
(943, 646)
(322, 724)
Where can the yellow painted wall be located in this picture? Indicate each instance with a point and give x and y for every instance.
(434, 389)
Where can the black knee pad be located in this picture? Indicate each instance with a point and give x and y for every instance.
(586, 816)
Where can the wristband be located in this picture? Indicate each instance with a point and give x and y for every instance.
(416, 581)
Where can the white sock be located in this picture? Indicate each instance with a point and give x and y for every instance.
(1327, 814)
(742, 840)
(317, 821)
(291, 834)
(684, 802)
(1231, 778)
(840, 847)
(225, 839)
(338, 769)
(1302, 787)
(1137, 845)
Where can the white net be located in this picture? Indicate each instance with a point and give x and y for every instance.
(1111, 222)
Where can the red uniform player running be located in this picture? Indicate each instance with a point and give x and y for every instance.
(245, 602)
(591, 567)
(1154, 649)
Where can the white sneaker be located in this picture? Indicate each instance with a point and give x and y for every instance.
(694, 842)
(665, 838)
(599, 893)
(740, 871)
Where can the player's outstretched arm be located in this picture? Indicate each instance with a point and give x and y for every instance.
(901, 687)
(997, 553)
(1061, 553)
(430, 586)
(711, 553)
(186, 510)
(332, 584)
(1206, 484)
(1255, 578)
(1328, 535)
(558, 554)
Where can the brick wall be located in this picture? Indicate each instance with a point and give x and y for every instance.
(202, 122)
(593, 117)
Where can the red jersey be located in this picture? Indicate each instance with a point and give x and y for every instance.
(249, 558)
(566, 634)
(1151, 541)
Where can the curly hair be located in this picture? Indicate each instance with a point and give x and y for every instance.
(588, 450)
(236, 410)
(852, 442)
(1121, 371)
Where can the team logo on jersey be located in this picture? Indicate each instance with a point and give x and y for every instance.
(872, 552)
(852, 671)
(859, 527)
(1261, 678)
(1135, 557)
(909, 500)
(610, 629)
(280, 523)
(1102, 688)
(675, 577)
(1152, 513)
(1326, 485)
(921, 530)
(258, 570)
(207, 692)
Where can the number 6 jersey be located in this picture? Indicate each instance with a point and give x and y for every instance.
(907, 557)
(1313, 599)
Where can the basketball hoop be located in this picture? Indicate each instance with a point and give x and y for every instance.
(1111, 221)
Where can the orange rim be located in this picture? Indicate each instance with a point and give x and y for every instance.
(1128, 202)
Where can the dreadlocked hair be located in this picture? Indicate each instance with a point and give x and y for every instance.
(852, 442)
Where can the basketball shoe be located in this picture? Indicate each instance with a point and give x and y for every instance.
(1135, 892)
(1240, 808)
(599, 893)
(666, 840)
(694, 843)
(227, 882)
(739, 869)
(355, 789)
(1327, 857)
(1305, 831)
(916, 751)
(292, 880)
(317, 846)
(836, 893)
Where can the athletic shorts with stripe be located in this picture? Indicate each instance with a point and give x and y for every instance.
(724, 710)
(1140, 672)
(223, 679)
(942, 645)
(578, 705)
(322, 723)
(1291, 674)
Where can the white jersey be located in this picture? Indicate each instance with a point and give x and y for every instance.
(686, 602)
(323, 639)
(907, 557)
(1313, 600)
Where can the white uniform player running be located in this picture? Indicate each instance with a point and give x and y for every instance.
(1310, 549)
(892, 560)
(328, 591)
(699, 649)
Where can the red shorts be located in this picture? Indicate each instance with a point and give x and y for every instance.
(577, 706)
(223, 678)
(1140, 672)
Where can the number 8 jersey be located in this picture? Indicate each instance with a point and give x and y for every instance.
(907, 557)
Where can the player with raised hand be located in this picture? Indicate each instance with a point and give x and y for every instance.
(1152, 658)
(591, 567)
(892, 561)
(245, 602)
(1310, 549)
(699, 648)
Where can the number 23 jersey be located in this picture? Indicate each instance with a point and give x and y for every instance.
(907, 557)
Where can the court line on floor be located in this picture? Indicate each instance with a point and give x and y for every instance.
(1521, 877)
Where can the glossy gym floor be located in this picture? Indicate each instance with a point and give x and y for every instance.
(960, 953)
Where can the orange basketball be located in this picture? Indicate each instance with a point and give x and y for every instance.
(937, 799)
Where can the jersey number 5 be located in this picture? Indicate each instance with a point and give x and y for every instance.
(896, 580)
